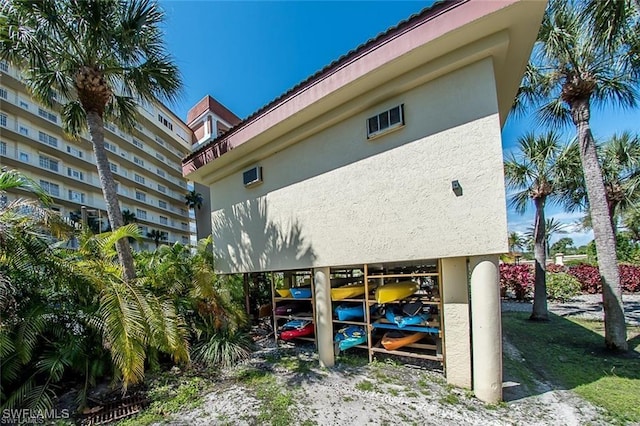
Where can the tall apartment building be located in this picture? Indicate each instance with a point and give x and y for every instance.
(145, 162)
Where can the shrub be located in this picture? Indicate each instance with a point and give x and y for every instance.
(517, 279)
(589, 277)
(554, 269)
(630, 278)
(223, 349)
(562, 286)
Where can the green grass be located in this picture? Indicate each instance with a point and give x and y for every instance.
(275, 400)
(169, 397)
(450, 398)
(350, 360)
(365, 386)
(571, 354)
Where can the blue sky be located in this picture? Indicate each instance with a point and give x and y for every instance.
(247, 53)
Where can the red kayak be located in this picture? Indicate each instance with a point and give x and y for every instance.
(297, 332)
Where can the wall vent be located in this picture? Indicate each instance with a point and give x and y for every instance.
(252, 177)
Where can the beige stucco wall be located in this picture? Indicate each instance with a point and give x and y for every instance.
(336, 198)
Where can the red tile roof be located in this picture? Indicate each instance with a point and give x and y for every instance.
(208, 103)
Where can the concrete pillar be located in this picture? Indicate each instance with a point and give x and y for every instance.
(560, 259)
(455, 316)
(486, 334)
(324, 325)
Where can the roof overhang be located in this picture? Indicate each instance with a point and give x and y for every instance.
(422, 49)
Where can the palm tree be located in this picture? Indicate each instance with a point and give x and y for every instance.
(620, 164)
(128, 217)
(615, 20)
(101, 57)
(551, 227)
(538, 172)
(569, 69)
(193, 200)
(156, 236)
(516, 241)
(631, 221)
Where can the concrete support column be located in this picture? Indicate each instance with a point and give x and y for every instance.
(486, 328)
(324, 325)
(454, 291)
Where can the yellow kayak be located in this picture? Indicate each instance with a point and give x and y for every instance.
(347, 292)
(396, 291)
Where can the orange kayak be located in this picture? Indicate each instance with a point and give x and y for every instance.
(393, 340)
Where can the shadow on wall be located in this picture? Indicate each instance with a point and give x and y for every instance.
(246, 241)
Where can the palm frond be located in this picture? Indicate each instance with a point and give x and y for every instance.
(74, 119)
(123, 111)
(13, 179)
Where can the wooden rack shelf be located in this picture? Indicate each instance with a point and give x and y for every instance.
(293, 317)
(408, 354)
(408, 275)
(375, 326)
(348, 300)
(293, 279)
(292, 299)
(364, 324)
(429, 295)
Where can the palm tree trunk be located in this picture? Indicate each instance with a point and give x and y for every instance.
(611, 207)
(539, 311)
(96, 128)
(614, 323)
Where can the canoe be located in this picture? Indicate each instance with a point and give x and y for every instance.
(290, 308)
(394, 316)
(301, 292)
(393, 340)
(396, 291)
(349, 337)
(307, 330)
(346, 312)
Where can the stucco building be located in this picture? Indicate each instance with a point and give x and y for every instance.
(386, 161)
(145, 162)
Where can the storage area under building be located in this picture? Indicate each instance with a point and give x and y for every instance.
(391, 308)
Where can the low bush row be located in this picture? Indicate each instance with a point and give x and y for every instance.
(563, 282)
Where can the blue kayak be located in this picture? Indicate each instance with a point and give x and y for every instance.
(290, 325)
(394, 316)
(346, 312)
(350, 336)
(301, 292)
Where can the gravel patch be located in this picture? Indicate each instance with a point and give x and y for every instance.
(585, 306)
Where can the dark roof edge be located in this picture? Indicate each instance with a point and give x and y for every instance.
(436, 9)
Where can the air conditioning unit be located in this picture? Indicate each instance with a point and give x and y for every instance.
(252, 177)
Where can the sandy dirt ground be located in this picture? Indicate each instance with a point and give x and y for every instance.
(386, 392)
